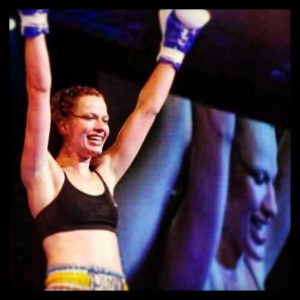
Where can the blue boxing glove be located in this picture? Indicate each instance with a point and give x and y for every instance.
(34, 22)
(179, 28)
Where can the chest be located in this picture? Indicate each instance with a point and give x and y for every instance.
(242, 279)
(90, 186)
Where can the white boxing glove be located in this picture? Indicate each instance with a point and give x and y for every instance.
(179, 28)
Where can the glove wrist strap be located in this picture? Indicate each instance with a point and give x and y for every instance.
(35, 20)
(174, 56)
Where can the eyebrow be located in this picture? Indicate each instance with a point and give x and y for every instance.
(255, 171)
(88, 113)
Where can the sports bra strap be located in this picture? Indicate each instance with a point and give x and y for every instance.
(105, 185)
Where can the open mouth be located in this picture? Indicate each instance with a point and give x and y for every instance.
(96, 139)
(258, 222)
(259, 229)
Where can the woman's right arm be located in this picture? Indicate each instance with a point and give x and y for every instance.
(195, 232)
(38, 85)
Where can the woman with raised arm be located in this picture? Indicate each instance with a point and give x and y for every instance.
(249, 246)
(231, 228)
(72, 201)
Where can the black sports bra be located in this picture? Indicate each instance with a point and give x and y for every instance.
(73, 209)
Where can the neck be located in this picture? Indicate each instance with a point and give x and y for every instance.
(73, 161)
(229, 253)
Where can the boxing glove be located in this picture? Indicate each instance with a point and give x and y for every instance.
(34, 22)
(179, 29)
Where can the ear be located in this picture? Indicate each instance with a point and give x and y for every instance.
(63, 127)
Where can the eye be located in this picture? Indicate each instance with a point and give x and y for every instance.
(260, 177)
(89, 117)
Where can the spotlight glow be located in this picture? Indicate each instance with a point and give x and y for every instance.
(12, 24)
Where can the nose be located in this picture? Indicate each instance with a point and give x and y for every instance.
(99, 124)
(269, 204)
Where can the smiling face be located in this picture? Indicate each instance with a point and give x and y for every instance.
(252, 204)
(86, 128)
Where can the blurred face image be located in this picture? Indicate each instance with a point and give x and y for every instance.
(252, 204)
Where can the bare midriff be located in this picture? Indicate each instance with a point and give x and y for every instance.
(98, 248)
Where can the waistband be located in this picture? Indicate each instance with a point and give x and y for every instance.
(89, 278)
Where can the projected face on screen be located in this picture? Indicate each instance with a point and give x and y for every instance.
(252, 202)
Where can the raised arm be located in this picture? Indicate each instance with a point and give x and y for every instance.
(282, 223)
(195, 232)
(38, 82)
(178, 37)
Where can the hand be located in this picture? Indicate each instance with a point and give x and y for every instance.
(34, 22)
(179, 30)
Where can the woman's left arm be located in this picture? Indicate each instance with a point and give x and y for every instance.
(178, 37)
(135, 129)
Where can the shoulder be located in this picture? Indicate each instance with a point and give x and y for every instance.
(44, 186)
(102, 165)
(257, 271)
(214, 281)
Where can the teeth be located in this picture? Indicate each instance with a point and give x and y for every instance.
(95, 138)
(257, 222)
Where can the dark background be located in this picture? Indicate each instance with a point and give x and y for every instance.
(240, 62)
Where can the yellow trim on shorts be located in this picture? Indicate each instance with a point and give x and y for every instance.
(78, 278)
